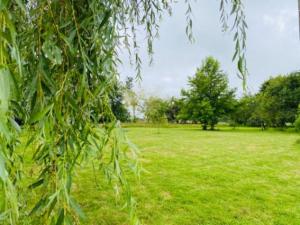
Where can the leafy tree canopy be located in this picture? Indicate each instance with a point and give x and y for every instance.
(209, 96)
(279, 98)
(155, 110)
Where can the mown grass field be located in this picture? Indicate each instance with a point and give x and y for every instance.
(231, 176)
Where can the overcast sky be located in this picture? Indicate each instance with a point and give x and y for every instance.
(273, 46)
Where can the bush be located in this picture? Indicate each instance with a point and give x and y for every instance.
(297, 124)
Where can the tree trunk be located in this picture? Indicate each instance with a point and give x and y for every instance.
(204, 126)
(263, 126)
(133, 112)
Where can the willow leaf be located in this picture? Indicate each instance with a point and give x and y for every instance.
(5, 87)
(41, 114)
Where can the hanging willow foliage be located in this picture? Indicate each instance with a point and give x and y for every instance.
(58, 64)
(239, 27)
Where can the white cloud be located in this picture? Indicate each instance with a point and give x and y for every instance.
(167, 79)
(281, 20)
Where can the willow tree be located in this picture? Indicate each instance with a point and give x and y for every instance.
(58, 64)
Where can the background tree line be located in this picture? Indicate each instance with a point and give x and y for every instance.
(209, 100)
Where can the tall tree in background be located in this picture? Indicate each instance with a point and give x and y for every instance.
(155, 110)
(279, 98)
(131, 98)
(275, 105)
(209, 96)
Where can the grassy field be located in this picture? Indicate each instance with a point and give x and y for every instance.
(242, 176)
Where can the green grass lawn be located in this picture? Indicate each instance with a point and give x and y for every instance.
(242, 176)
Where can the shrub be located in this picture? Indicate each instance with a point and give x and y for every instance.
(297, 124)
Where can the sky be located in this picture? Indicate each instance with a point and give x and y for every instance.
(273, 46)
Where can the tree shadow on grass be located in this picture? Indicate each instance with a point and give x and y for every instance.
(297, 142)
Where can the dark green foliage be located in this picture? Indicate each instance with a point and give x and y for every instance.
(116, 102)
(297, 124)
(118, 107)
(279, 98)
(209, 96)
(245, 112)
(275, 105)
(297, 121)
(173, 108)
(245, 109)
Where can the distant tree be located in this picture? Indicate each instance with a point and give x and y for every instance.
(155, 110)
(260, 117)
(279, 98)
(243, 111)
(114, 105)
(209, 96)
(173, 109)
(117, 102)
(297, 121)
(131, 98)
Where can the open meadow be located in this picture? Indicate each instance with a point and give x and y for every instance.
(230, 176)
